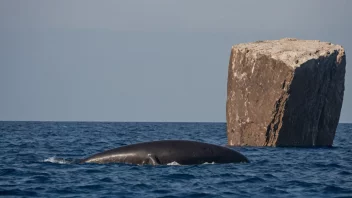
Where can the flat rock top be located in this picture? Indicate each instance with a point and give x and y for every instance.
(291, 51)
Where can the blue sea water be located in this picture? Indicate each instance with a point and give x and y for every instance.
(35, 161)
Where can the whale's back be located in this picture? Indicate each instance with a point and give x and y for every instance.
(192, 152)
(167, 151)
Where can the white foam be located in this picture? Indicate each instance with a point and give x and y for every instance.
(177, 164)
(173, 164)
(209, 163)
(56, 160)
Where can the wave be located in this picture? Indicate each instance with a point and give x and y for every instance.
(57, 160)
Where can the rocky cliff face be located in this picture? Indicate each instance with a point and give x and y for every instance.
(284, 92)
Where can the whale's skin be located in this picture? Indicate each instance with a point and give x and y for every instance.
(184, 152)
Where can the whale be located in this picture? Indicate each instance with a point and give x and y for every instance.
(163, 152)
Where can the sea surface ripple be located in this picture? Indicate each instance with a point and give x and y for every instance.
(36, 160)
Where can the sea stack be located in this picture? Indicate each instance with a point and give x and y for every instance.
(285, 92)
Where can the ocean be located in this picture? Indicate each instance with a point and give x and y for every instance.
(36, 161)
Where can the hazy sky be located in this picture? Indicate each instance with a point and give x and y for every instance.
(156, 60)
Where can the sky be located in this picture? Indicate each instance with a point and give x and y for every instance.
(156, 60)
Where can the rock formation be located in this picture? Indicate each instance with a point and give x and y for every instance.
(286, 92)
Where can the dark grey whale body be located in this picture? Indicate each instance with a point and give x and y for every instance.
(183, 152)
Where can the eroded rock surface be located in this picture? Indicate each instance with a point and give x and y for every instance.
(284, 92)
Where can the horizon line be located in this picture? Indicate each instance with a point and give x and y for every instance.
(112, 121)
(106, 121)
